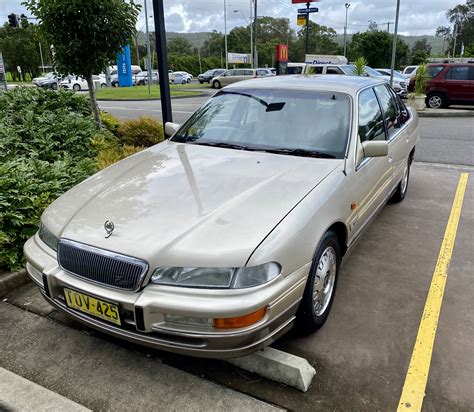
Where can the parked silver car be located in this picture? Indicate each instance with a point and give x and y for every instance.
(215, 242)
(237, 75)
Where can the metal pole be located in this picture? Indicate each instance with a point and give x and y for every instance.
(306, 47)
(148, 49)
(42, 61)
(455, 33)
(251, 36)
(160, 34)
(394, 47)
(225, 35)
(255, 55)
(347, 5)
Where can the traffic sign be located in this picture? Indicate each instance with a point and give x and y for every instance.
(301, 19)
(308, 10)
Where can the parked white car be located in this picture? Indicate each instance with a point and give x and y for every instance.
(77, 83)
(187, 75)
(216, 241)
(410, 71)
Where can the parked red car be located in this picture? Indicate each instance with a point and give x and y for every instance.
(450, 83)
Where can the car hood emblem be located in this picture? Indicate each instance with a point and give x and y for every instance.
(109, 228)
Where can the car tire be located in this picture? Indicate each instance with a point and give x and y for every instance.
(54, 86)
(216, 84)
(201, 82)
(183, 82)
(103, 85)
(402, 187)
(115, 84)
(76, 87)
(321, 284)
(436, 100)
(188, 81)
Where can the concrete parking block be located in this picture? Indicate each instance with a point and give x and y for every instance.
(20, 394)
(278, 366)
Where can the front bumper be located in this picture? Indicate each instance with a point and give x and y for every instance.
(143, 312)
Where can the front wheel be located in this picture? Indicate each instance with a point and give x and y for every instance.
(321, 285)
(216, 84)
(402, 187)
(54, 86)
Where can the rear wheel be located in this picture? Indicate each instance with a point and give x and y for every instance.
(321, 285)
(76, 87)
(216, 84)
(436, 100)
(54, 86)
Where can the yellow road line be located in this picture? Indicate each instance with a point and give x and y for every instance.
(415, 382)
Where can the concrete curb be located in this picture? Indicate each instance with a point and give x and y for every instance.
(20, 394)
(445, 113)
(9, 281)
(278, 366)
(152, 99)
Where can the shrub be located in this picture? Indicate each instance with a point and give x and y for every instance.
(46, 146)
(421, 80)
(111, 123)
(359, 66)
(144, 131)
(112, 154)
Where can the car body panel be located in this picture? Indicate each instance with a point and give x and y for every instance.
(179, 204)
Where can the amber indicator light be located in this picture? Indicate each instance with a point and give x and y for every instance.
(240, 321)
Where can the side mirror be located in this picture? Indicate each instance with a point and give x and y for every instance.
(171, 128)
(375, 148)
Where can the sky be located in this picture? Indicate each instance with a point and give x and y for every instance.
(417, 17)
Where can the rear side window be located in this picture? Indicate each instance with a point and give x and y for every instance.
(294, 70)
(433, 71)
(389, 107)
(333, 70)
(371, 125)
(458, 73)
(315, 70)
(260, 72)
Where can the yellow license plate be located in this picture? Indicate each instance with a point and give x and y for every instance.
(92, 306)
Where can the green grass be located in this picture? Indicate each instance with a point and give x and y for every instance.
(140, 92)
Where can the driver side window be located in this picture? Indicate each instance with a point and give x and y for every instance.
(371, 124)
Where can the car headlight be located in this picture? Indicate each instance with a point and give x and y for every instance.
(216, 278)
(47, 237)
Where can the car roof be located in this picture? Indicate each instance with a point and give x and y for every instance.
(331, 82)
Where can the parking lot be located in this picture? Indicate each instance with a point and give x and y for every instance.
(362, 353)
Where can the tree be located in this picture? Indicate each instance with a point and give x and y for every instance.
(420, 51)
(376, 47)
(20, 47)
(321, 41)
(444, 32)
(214, 46)
(462, 18)
(86, 34)
(180, 45)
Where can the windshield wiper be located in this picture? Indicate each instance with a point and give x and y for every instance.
(222, 144)
(302, 153)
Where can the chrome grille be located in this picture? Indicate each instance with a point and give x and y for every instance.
(101, 266)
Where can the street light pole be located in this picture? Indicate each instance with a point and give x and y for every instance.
(148, 51)
(306, 47)
(225, 35)
(255, 14)
(347, 5)
(394, 47)
(249, 24)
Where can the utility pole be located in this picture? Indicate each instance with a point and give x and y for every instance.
(394, 47)
(41, 55)
(388, 23)
(225, 36)
(347, 5)
(306, 47)
(148, 51)
(251, 36)
(160, 34)
(255, 55)
(455, 35)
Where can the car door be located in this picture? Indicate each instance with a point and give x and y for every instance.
(227, 77)
(399, 140)
(458, 83)
(370, 181)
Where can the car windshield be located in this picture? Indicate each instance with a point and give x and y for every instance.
(294, 122)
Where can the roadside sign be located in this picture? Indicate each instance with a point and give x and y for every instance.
(281, 52)
(308, 10)
(301, 19)
(302, 1)
(18, 69)
(238, 58)
(3, 80)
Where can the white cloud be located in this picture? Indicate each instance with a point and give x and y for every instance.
(416, 16)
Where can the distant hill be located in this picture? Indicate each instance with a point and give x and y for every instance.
(435, 42)
(197, 39)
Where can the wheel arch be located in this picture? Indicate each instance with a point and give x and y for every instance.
(340, 229)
